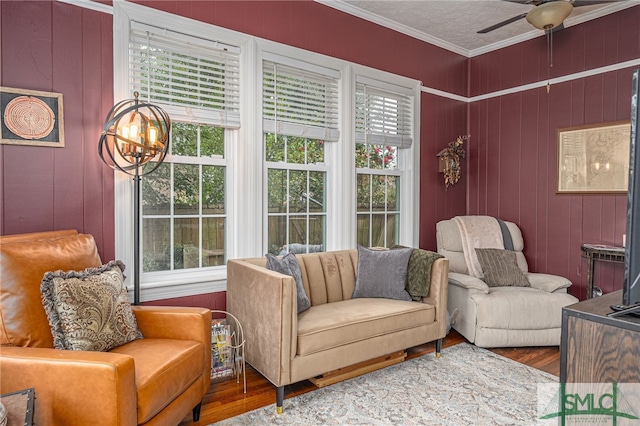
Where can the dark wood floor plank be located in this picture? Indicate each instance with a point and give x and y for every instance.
(227, 399)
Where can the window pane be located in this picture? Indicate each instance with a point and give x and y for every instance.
(316, 232)
(277, 233)
(186, 243)
(156, 192)
(184, 139)
(297, 191)
(296, 150)
(277, 183)
(390, 158)
(297, 229)
(378, 195)
(363, 191)
(315, 151)
(274, 148)
(316, 192)
(212, 141)
(213, 190)
(378, 230)
(376, 155)
(156, 238)
(363, 230)
(186, 188)
(392, 192)
(392, 229)
(213, 241)
(362, 156)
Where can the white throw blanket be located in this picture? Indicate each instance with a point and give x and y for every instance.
(478, 232)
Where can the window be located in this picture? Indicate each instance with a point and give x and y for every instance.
(383, 125)
(186, 202)
(324, 161)
(300, 116)
(183, 202)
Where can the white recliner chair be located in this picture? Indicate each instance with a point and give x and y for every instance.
(500, 316)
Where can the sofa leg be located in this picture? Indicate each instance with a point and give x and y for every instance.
(196, 412)
(438, 347)
(279, 399)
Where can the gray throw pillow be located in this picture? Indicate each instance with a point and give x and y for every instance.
(288, 265)
(500, 268)
(382, 273)
(89, 310)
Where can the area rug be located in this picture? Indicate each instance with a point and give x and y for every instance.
(466, 386)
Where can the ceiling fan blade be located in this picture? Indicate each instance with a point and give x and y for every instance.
(502, 24)
(580, 3)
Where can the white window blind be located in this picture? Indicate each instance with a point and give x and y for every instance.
(299, 102)
(383, 117)
(194, 79)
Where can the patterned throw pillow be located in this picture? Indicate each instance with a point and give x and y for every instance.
(89, 310)
(382, 273)
(500, 268)
(288, 265)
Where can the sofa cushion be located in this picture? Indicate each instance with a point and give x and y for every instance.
(288, 265)
(382, 273)
(164, 369)
(89, 310)
(500, 268)
(336, 324)
(23, 264)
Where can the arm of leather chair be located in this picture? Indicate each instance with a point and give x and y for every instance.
(180, 323)
(468, 282)
(438, 291)
(173, 322)
(548, 283)
(73, 387)
(265, 303)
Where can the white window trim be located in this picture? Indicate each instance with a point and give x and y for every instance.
(408, 158)
(171, 284)
(246, 170)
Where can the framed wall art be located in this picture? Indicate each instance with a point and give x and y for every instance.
(594, 159)
(31, 117)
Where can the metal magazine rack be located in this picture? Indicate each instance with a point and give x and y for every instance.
(227, 348)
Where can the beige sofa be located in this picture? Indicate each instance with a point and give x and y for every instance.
(336, 331)
(502, 316)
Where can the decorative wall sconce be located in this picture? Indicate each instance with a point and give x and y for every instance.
(135, 133)
(449, 160)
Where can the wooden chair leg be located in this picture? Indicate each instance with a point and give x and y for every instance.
(438, 347)
(196, 412)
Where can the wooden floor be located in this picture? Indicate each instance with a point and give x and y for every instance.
(227, 399)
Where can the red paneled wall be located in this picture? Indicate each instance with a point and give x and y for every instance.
(445, 120)
(54, 47)
(57, 47)
(513, 149)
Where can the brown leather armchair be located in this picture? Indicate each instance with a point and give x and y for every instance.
(156, 380)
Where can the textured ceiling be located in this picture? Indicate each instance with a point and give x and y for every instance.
(453, 24)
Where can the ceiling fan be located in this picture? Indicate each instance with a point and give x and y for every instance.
(548, 15)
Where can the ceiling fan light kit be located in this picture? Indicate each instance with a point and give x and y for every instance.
(549, 15)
